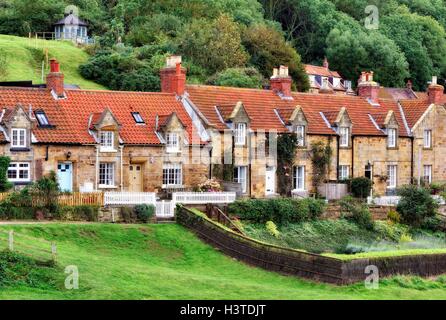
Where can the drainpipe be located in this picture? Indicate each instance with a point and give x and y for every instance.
(121, 148)
(337, 157)
(412, 159)
(210, 162)
(97, 168)
(47, 152)
(353, 157)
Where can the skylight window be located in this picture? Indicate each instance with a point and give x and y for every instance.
(42, 118)
(137, 117)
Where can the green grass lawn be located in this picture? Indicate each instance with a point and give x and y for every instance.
(24, 60)
(169, 262)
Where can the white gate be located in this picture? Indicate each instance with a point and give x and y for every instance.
(165, 209)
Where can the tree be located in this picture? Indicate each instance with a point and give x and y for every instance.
(238, 77)
(5, 185)
(214, 45)
(269, 50)
(416, 205)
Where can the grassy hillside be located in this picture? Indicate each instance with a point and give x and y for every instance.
(24, 60)
(169, 262)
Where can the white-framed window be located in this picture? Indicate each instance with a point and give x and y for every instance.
(427, 171)
(300, 132)
(427, 138)
(344, 133)
(391, 137)
(172, 142)
(392, 172)
(107, 140)
(240, 134)
(344, 172)
(299, 178)
(18, 138)
(106, 174)
(172, 174)
(19, 172)
(240, 176)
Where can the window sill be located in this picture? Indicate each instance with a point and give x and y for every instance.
(107, 150)
(173, 151)
(392, 148)
(104, 186)
(427, 148)
(172, 186)
(20, 183)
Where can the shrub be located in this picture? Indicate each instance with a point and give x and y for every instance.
(432, 223)
(356, 211)
(415, 205)
(280, 210)
(272, 229)
(360, 187)
(128, 215)
(144, 212)
(393, 216)
(78, 213)
(5, 185)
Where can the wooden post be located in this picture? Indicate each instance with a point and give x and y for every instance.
(11, 241)
(54, 251)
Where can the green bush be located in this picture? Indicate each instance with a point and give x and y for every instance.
(280, 210)
(393, 216)
(357, 212)
(128, 215)
(144, 212)
(78, 213)
(5, 185)
(272, 229)
(360, 187)
(416, 205)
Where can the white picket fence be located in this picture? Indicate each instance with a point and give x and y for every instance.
(166, 208)
(203, 197)
(129, 198)
(393, 200)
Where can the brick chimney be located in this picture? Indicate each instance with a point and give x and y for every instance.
(173, 76)
(281, 82)
(55, 79)
(435, 92)
(367, 88)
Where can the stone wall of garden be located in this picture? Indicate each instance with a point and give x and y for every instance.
(304, 264)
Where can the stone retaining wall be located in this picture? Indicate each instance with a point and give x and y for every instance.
(303, 264)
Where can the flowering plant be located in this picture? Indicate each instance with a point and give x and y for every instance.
(210, 185)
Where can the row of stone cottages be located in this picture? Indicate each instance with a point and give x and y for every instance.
(140, 141)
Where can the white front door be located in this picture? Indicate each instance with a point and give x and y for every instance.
(270, 180)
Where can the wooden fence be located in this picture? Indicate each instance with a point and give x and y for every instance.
(71, 199)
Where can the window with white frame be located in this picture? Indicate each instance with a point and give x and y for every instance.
(107, 140)
(427, 138)
(240, 134)
(106, 174)
(427, 170)
(18, 138)
(344, 133)
(172, 142)
(19, 172)
(391, 137)
(392, 176)
(344, 172)
(172, 174)
(240, 176)
(299, 178)
(300, 132)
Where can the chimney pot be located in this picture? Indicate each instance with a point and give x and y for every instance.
(367, 88)
(173, 76)
(55, 79)
(281, 81)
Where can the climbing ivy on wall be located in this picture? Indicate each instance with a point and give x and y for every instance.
(286, 150)
(320, 159)
(5, 185)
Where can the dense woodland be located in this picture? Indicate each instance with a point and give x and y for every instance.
(238, 42)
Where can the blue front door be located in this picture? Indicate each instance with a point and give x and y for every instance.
(65, 176)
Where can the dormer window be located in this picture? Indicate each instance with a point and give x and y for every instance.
(344, 133)
(42, 118)
(107, 141)
(391, 137)
(18, 138)
(300, 133)
(240, 134)
(138, 118)
(172, 142)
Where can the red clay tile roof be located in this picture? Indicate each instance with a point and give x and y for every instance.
(397, 93)
(70, 116)
(317, 70)
(414, 109)
(261, 106)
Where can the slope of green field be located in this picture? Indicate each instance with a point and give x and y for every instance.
(169, 262)
(23, 58)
